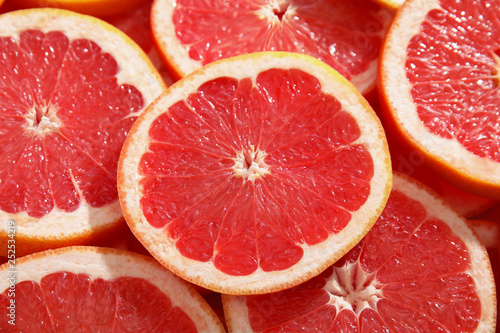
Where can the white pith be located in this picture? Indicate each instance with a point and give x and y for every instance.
(357, 299)
(397, 88)
(134, 68)
(111, 264)
(315, 257)
(250, 165)
(178, 54)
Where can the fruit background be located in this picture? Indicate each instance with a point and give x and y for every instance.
(134, 19)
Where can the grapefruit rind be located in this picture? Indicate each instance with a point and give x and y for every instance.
(487, 231)
(236, 310)
(59, 228)
(108, 264)
(448, 158)
(316, 258)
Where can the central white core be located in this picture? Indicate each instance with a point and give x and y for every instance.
(275, 10)
(42, 119)
(352, 288)
(250, 164)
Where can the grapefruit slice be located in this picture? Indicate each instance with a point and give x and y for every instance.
(439, 84)
(254, 173)
(91, 289)
(70, 88)
(99, 8)
(347, 35)
(419, 269)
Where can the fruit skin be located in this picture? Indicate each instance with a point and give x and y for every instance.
(460, 178)
(26, 241)
(99, 8)
(129, 194)
(25, 245)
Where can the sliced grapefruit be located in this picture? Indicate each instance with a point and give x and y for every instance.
(70, 88)
(419, 269)
(254, 173)
(347, 35)
(440, 86)
(91, 289)
(100, 8)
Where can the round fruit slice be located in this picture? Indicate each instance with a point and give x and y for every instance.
(98, 8)
(419, 269)
(440, 86)
(92, 289)
(254, 173)
(345, 34)
(70, 88)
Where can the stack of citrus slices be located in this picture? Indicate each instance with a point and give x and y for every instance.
(257, 191)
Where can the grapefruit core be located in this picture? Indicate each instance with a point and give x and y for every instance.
(92, 289)
(346, 35)
(70, 88)
(440, 89)
(254, 173)
(419, 269)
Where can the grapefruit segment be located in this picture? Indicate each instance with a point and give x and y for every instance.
(69, 99)
(102, 290)
(435, 277)
(243, 209)
(344, 34)
(439, 87)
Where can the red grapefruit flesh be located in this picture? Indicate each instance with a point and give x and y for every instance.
(345, 34)
(440, 86)
(68, 98)
(254, 173)
(90, 289)
(419, 269)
